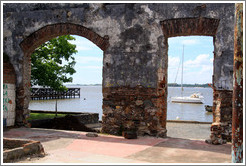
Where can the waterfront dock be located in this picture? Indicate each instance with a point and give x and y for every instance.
(49, 93)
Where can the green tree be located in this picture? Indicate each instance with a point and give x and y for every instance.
(52, 63)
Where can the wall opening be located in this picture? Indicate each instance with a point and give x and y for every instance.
(197, 74)
(197, 71)
(199, 26)
(88, 77)
(31, 43)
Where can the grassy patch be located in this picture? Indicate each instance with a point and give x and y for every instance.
(34, 116)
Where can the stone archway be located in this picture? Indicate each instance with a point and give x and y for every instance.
(221, 98)
(30, 43)
(135, 70)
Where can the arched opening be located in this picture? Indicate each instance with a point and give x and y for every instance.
(185, 27)
(29, 44)
(88, 78)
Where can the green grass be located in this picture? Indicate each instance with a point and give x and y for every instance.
(34, 116)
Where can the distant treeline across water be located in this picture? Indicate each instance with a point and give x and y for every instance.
(188, 85)
(169, 84)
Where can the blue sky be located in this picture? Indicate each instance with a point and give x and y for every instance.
(198, 60)
(89, 62)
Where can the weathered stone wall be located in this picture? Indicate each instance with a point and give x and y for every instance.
(9, 79)
(9, 104)
(9, 76)
(126, 108)
(134, 61)
(221, 129)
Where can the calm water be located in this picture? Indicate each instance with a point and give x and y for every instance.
(91, 101)
(195, 112)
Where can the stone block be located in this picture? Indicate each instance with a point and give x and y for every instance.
(139, 102)
(130, 134)
(18, 148)
(91, 134)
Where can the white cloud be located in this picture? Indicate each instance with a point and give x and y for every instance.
(199, 70)
(190, 42)
(173, 62)
(83, 48)
(83, 44)
(211, 60)
(207, 68)
(202, 69)
(201, 60)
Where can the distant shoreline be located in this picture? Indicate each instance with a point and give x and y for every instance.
(84, 85)
(169, 85)
(189, 85)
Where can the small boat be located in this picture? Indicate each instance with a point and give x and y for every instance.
(195, 98)
(208, 108)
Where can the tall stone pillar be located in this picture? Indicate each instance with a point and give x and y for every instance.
(237, 112)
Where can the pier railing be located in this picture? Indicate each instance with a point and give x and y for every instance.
(49, 93)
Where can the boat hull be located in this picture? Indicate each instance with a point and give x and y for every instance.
(186, 100)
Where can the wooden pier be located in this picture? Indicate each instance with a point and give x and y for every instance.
(48, 93)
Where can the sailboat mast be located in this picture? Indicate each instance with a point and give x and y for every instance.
(182, 89)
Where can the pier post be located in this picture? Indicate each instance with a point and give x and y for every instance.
(237, 112)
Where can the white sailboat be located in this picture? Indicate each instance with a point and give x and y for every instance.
(195, 98)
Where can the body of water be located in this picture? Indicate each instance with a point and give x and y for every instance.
(185, 111)
(91, 101)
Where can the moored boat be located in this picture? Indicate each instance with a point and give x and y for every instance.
(195, 98)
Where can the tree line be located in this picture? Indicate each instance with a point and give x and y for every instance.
(188, 85)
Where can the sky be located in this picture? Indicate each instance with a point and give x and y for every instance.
(89, 62)
(198, 60)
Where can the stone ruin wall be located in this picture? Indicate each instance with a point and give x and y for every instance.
(9, 96)
(134, 63)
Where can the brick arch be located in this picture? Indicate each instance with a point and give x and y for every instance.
(190, 26)
(30, 43)
(48, 32)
